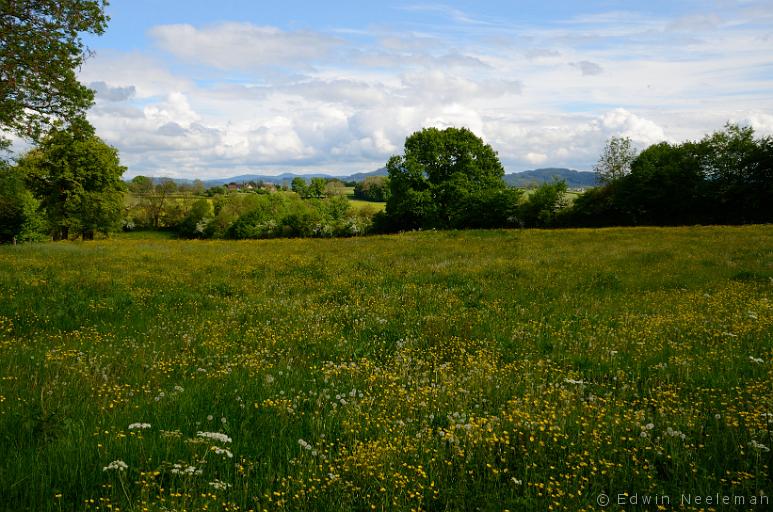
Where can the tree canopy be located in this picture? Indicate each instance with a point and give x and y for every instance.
(725, 178)
(615, 162)
(440, 175)
(78, 179)
(40, 49)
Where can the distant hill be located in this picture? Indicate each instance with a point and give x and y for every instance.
(360, 176)
(277, 180)
(573, 179)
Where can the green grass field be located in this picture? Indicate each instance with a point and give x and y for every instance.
(359, 204)
(481, 370)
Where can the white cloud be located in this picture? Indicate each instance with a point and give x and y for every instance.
(536, 158)
(175, 109)
(261, 99)
(623, 123)
(242, 45)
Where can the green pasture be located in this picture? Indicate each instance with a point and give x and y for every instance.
(477, 370)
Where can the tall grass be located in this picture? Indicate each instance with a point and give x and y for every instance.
(481, 370)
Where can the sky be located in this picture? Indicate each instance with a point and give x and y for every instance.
(203, 89)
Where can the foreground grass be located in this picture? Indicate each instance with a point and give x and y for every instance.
(511, 370)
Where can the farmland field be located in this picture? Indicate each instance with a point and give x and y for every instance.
(480, 370)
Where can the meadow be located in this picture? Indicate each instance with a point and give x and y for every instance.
(474, 370)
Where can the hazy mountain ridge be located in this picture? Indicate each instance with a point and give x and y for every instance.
(573, 178)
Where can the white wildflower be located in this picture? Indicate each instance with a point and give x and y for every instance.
(215, 436)
(304, 444)
(758, 446)
(185, 469)
(139, 426)
(116, 465)
(222, 451)
(220, 486)
(675, 433)
(757, 360)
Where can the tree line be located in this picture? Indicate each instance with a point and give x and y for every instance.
(450, 179)
(725, 178)
(70, 186)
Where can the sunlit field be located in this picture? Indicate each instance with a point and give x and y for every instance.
(481, 370)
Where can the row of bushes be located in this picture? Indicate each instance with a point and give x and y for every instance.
(254, 216)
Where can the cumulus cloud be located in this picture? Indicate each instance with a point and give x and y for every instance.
(242, 45)
(623, 123)
(105, 92)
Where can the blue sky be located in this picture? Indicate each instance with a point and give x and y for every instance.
(213, 89)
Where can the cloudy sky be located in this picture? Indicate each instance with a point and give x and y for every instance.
(203, 89)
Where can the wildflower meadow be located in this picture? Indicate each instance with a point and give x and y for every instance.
(476, 370)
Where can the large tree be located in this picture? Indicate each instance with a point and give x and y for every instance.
(78, 180)
(739, 171)
(439, 173)
(40, 50)
(615, 162)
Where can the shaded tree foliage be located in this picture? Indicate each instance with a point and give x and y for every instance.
(372, 188)
(195, 222)
(726, 178)
(78, 180)
(543, 204)
(19, 216)
(739, 175)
